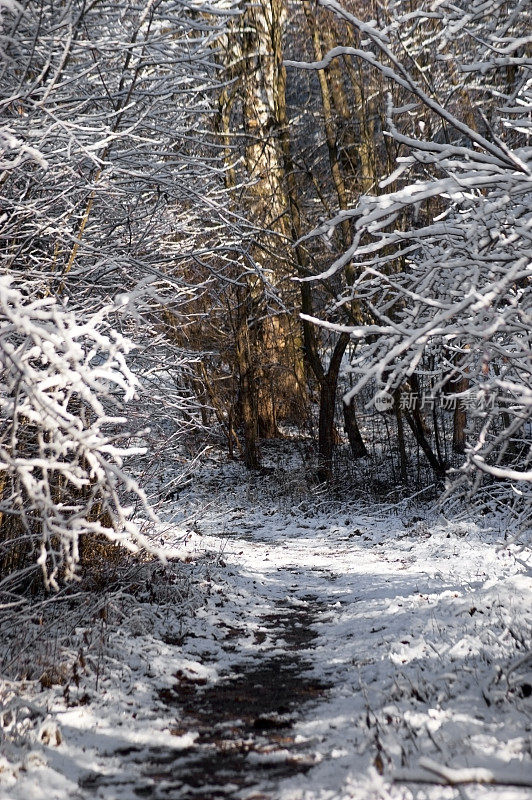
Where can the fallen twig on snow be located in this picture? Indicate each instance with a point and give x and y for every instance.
(431, 772)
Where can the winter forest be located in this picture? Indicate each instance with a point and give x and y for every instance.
(265, 399)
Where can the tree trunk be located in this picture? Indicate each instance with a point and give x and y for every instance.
(328, 122)
(460, 418)
(416, 426)
(356, 442)
(326, 429)
(247, 394)
(328, 386)
(281, 387)
(403, 462)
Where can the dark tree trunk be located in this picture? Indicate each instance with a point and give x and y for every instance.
(460, 418)
(248, 396)
(403, 461)
(326, 428)
(328, 385)
(415, 422)
(356, 442)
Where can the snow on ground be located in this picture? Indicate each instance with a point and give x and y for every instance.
(398, 636)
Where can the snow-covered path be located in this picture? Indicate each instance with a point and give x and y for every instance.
(329, 654)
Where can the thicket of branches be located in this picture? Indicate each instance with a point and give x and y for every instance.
(106, 191)
(441, 256)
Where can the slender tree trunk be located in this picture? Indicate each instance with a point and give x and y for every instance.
(328, 121)
(356, 442)
(328, 387)
(460, 418)
(326, 429)
(456, 384)
(416, 426)
(403, 462)
(248, 399)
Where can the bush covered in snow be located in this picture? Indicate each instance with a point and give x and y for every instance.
(60, 463)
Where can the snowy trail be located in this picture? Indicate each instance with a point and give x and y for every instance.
(330, 653)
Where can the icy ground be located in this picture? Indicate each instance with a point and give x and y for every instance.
(298, 651)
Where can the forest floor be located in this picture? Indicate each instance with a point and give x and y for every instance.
(292, 648)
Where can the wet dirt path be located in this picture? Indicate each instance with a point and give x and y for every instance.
(244, 722)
